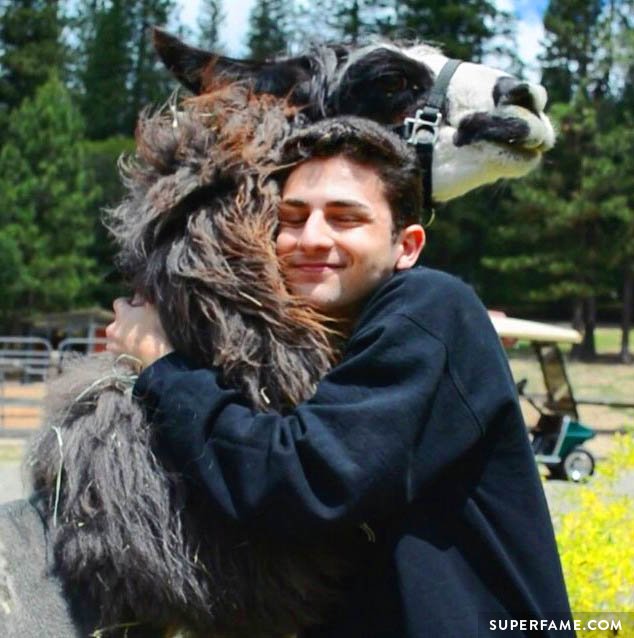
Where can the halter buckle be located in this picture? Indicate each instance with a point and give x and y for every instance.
(429, 122)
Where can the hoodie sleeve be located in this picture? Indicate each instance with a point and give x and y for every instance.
(381, 425)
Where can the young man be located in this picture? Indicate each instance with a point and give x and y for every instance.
(416, 434)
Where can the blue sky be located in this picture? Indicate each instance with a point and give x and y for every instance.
(529, 7)
(530, 30)
(528, 12)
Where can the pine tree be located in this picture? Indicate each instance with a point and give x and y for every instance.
(347, 21)
(150, 82)
(46, 205)
(349, 15)
(617, 146)
(30, 46)
(212, 18)
(105, 98)
(461, 236)
(558, 234)
(267, 34)
(121, 73)
(571, 42)
(610, 174)
(101, 158)
(565, 223)
(463, 28)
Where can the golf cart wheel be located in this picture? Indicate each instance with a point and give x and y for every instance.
(578, 465)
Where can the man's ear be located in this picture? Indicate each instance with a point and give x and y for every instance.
(411, 241)
(200, 71)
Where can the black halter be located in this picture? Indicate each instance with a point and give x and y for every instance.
(422, 130)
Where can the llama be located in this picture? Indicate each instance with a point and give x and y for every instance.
(133, 552)
(493, 126)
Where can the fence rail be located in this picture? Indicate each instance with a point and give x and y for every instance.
(26, 356)
(25, 365)
(82, 345)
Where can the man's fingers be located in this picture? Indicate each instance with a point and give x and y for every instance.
(112, 345)
(136, 330)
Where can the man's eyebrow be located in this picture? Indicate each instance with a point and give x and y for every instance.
(347, 203)
(295, 203)
(334, 203)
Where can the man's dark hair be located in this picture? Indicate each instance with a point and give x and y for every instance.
(370, 144)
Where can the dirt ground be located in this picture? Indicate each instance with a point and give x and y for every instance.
(21, 417)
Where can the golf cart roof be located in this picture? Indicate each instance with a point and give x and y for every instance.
(510, 327)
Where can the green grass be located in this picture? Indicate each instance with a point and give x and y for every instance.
(608, 340)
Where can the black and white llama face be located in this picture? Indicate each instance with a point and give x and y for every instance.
(493, 125)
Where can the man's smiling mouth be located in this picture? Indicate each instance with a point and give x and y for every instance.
(315, 266)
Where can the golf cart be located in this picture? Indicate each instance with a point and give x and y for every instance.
(558, 437)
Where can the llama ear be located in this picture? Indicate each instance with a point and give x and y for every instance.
(199, 70)
(185, 62)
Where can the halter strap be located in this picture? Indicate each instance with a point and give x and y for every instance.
(422, 130)
(438, 93)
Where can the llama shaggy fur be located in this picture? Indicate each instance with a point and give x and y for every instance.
(196, 237)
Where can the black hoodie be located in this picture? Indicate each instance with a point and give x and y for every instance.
(417, 437)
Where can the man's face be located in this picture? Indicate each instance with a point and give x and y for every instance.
(335, 236)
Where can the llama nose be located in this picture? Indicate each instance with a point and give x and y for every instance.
(510, 91)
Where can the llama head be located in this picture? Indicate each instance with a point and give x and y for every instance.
(196, 237)
(493, 125)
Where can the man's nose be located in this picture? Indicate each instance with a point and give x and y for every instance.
(511, 91)
(316, 233)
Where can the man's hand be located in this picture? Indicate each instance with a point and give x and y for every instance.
(137, 331)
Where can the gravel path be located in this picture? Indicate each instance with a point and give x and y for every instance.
(11, 485)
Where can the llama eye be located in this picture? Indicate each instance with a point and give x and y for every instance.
(393, 83)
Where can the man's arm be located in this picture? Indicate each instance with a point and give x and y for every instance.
(382, 423)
